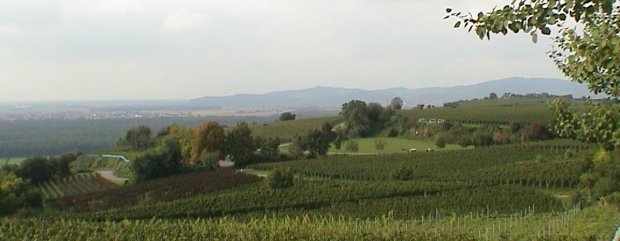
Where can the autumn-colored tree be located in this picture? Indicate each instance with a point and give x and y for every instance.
(208, 137)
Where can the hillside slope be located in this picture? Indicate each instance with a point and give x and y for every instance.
(323, 96)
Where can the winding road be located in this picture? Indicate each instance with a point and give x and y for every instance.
(107, 174)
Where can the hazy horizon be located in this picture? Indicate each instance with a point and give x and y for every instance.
(177, 50)
(250, 93)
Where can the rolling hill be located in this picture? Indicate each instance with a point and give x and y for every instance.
(323, 96)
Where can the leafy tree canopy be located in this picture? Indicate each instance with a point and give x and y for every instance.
(239, 143)
(287, 116)
(139, 137)
(209, 137)
(16, 193)
(396, 103)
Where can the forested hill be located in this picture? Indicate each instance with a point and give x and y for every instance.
(333, 97)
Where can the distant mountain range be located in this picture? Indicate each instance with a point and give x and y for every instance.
(322, 96)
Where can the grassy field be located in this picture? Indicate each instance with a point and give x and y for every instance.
(393, 145)
(498, 165)
(286, 130)
(500, 111)
(12, 160)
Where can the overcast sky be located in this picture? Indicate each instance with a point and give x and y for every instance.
(159, 49)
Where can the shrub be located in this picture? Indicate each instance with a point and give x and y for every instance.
(440, 141)
(295, 148)
(268, 148)
(613, 198)
(160, 162)
(603, 187)
(482, 138)
(40, 169)
(402, 173)
(568, 154)
(287, 116)
(391, 132)
(515, 127)
(33, 199)
(352, 146)
(280, 179)
(139, 138)
(463, 141)
(209, 160)
(379, 144)
(535, 132)
(36, 169)
(540, 159)
(501, 138)
(446, 126)
(13, 193)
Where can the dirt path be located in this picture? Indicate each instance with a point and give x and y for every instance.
(107, 174)
(252, 172)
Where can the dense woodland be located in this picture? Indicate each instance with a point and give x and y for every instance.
(52, 137)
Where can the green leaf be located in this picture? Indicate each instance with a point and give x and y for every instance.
(562, 17)
(457, 24)
(513, 27)
(448, 10)
(570, 4)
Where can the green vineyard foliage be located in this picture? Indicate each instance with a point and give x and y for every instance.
(360, 199)
(588, 224)
(511, 164)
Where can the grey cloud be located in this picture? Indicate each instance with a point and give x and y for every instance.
(30, 13)
(241, 46)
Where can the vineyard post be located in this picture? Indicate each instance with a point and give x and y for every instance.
(487, 213)
(486, 235)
